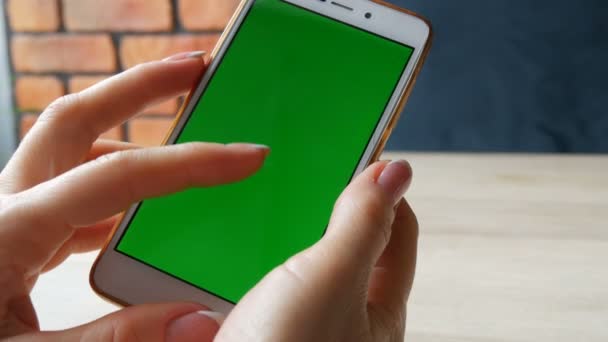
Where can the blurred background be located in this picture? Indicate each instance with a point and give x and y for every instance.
(503, 75)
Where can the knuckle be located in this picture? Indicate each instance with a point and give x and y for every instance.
(121, 160)
(127, 176)
(112, 329)
(188, 148)
(340, 202)
(199, 148)
(114, 159)
(383, 221)
(296, 267)
(65, 118)
(373, 208)
(62, 106)
(143, 68)
(126, 331)
(60, 116)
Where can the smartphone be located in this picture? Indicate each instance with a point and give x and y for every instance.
(320, 82)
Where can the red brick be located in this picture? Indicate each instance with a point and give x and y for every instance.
(206, 14)
(69, 53)
(34, 93)
(33, 15)
(28, 120)
(149, 131)
(138, 49)
(80, 83)
(118, 15)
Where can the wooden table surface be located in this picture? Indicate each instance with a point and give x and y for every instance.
(512, 248)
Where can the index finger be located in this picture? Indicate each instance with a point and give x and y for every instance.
(38, 221)
(108, 185)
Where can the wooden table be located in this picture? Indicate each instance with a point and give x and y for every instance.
(512, 248)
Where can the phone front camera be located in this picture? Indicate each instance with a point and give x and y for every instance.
(368, 15)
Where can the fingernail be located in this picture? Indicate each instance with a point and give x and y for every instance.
(264, 148)
(396, 178)
(192, 326)
(185, 55)
(216, 316)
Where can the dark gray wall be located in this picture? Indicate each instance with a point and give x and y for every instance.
(511, 75)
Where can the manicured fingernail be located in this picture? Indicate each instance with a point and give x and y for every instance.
(396, 178)
(185, 55)
(194, 325)
(264, 148)
(216, 316)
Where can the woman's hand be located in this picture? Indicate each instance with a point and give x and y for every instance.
(353, 285)
(62, 190)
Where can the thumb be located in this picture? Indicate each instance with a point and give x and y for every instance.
(359, 229)
(312, 292)
(361, 224)
(154, 322)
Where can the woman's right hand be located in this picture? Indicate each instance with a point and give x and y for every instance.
(352, 285)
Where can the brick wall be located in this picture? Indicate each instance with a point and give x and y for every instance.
(62, 46)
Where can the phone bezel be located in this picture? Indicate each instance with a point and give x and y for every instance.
(126, 281)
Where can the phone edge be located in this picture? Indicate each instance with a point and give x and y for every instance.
(407, 91)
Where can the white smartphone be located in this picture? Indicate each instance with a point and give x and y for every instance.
(320, 82)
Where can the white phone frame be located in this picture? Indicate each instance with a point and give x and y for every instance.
(126, 281)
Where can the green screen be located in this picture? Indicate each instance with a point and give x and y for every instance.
(311, 88)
